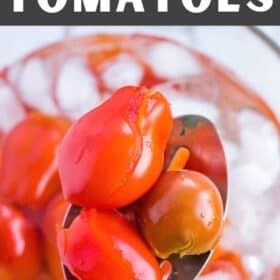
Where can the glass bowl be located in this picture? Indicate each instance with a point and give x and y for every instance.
(72, 77)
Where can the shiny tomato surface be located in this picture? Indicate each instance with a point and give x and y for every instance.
(104, 245)
(115, 153)
(183, 213)
(52, 219)
(28, 174)
(20, 256)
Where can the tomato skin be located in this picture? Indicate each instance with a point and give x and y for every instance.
(53, 218)
(185, 207)
(19, 246)
(28, 175)
(104, 245)
(115, 153)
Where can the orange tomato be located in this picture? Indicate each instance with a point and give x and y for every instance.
(28, 175)
(19, 246)
(183, 213)
(115, 153)
(104, 245)
(53, 218)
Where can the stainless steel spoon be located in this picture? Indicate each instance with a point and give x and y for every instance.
(199, 135)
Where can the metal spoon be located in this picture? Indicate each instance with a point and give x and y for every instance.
(199, 135)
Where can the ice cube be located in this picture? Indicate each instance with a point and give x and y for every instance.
(183, 105)
(270, 241)
(11, 110)
(246, 217)
(77, 91)
(259, 140)
(34, 85)
(254, 265)
(171, 61)
(251, 174)
(259, 163)
(124, 71)
(232, 151)
(252, 177)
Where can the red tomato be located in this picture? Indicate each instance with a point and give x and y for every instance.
(19, 246)
(183, 213)
(115, 153)
(53, 218)
(104, 245)
(1, 140)
(28, 175)
(45, 276)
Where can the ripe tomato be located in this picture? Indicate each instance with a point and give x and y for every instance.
(19, 246)
(28, 175)
(183, 213)
(104, 245)
(45, 276)
(115, 153)
(53, 218)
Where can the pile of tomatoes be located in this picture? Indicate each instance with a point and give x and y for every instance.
(114, 157)
(138, 205)
(30, 199)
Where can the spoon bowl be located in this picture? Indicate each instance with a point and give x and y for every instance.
(199, 135)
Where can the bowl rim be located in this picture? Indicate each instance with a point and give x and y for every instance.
(265, 39)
